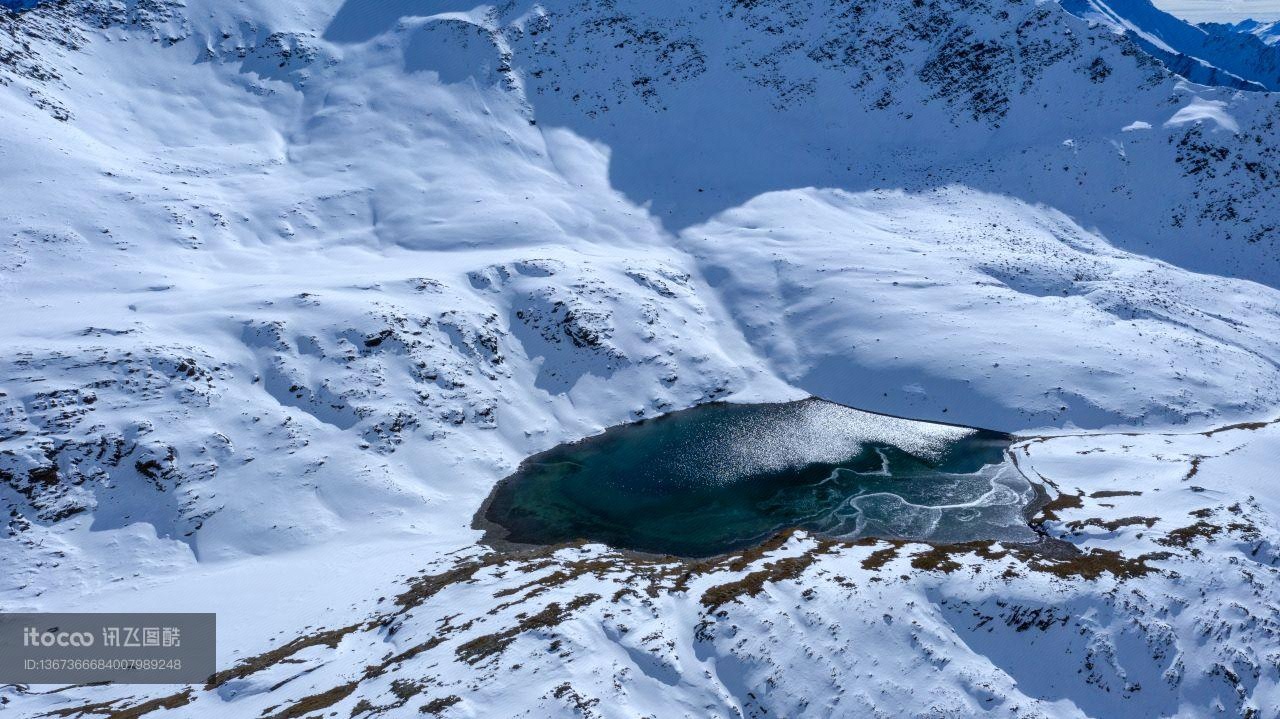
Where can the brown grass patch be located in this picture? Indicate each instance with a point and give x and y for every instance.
(436, 707)
(316, 702)
(1093, 564)
(328, 638)
(1111, 525)
(1184, 536)
(1105, 493)
(1063, 501)
(487, 645)
(108, 710)
(753, 583)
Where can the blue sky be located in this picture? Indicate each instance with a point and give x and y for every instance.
(1221, 10)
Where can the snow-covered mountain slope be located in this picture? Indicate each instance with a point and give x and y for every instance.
(1210, 54)
(705, 110)
(836, 288)
(1266, 31)
(1169, 611)
(289, 286)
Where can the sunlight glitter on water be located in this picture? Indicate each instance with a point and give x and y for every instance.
(723, 476)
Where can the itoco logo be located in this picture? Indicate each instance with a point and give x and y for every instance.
(32, 637)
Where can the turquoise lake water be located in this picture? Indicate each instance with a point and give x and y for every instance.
(721, 477)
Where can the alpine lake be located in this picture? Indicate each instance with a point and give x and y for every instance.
(721, 477)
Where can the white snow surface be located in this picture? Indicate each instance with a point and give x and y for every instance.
(288, 286)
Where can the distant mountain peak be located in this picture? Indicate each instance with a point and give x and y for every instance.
(1266, 31)
(1209, 54)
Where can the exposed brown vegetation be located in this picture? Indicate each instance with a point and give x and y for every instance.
(436, 707)
(938, 557)
(880, 557)
(1106, 493)
(111, 711)
(1184, 536)
(316, 702)
(426, 586)
(1063, 501)
(1195, 467)
(485, 646)
(1093, 564)
(753, 583)
(1111, 525)
(1090, 565)
(1241, 425)
(377, 669)
(329, 638)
